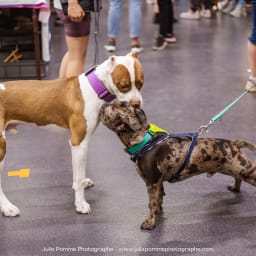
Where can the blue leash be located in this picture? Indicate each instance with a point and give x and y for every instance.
(193, 135)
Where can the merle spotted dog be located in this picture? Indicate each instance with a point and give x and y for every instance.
(161, 157)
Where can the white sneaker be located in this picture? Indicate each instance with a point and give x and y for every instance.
(190, 15)
(222, 4)
(110, 46)
(230, 7)
(206, 14)
(137, 48)
(238, 12)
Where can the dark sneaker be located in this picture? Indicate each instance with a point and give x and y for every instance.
(170, 39)
(110, 46)
(159, 44)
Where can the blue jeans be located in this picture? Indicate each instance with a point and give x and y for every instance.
(252, 37)
(114, 18)
(239, 2)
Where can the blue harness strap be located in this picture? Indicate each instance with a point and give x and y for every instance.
(193, 136)
(138, 150)
(148, 147)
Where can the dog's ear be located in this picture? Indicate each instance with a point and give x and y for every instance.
(141, 115)
(133, 54)
(111, 63)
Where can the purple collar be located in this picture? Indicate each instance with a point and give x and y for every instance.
(98, 86)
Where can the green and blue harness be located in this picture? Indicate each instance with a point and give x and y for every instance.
(138, 150)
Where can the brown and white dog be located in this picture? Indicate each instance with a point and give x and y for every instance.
(73, 104)
(160, 156)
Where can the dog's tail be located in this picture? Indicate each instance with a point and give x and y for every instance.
(245, 144)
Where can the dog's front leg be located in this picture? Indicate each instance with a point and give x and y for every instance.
(6, 207)
(79, 159)
(155, 193)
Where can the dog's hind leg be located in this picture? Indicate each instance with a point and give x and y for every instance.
(155, 193)
(249, 175)
(236, 186)
(6, 207)
(241, 169)
(247, 170)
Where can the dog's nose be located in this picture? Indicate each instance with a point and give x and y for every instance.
(136, 102)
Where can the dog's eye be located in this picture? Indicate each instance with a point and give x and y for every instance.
(125, 88)
(119, 123)
(138, 84)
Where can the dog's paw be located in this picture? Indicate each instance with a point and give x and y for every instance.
(148, 224)
(88, 183)
(233, 188)
(83, 208)
(10, 210)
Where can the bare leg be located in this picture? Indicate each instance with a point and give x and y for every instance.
(74, 60)
(251, 49)
(252, 58)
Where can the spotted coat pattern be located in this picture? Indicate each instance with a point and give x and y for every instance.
(161, 163)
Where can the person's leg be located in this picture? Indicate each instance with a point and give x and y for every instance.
(208, 4)
(114, 17)
(206, 11)
(135, 21)
(252, 57)
(165, 26)
(156, 13)
(251, 46)
(77, 37)
(240, 9)
(230, 7)
(166, 18)
(74, 60)
(195, 5)
(193, 13)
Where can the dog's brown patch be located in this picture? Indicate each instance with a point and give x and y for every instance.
(2, 147)
(139, 75)
(121, 78)
(57, 102)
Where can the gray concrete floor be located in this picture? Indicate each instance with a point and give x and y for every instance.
(185, 86)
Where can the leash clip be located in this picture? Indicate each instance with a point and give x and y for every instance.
(204, 128)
